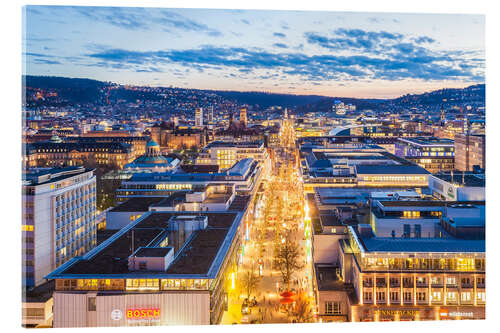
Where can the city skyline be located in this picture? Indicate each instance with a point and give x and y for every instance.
(364, 55)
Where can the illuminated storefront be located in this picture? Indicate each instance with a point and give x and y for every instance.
(393, 280)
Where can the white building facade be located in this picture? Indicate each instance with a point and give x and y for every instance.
(59, 207)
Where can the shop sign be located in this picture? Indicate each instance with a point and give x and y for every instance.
(116, 314)
(143, 314)
(451, 193)
(444, 314)
(400, 313)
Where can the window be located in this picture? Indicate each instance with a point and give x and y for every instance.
(418, 231)
(451, 296)
(436, 296)
(394, 296)
(406, 230)
(465, 296)
(481, 297)
(332, 307)
(368, 296)
(408, 282)
(435, 280)
(380, 296)
(421, 280)
(480, 281)
(407, 296)
(91, 304)
(421, 296)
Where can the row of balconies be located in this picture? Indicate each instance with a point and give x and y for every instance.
(382, 283)
(71, 237)
(67, 222)
(73, 197)
(423, 301)
(74, 204)
(87, 218)
(83, 211)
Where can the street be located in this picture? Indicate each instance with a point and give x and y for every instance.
(276, 250)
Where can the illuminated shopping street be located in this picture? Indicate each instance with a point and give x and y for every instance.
(278, 221)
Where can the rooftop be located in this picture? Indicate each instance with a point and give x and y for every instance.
(239, 144)
(326, 277)
(196, 255)
(387, 244)
(200, 168)
(463, 179)
(152, 251)
(427, 203)
(391, 170)
(429, 141)
(137, 204)
(51, 175)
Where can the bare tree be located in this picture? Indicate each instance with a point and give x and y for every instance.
(301, 311)
(250, 280)
(288, 260)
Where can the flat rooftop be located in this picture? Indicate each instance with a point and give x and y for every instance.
(42, 176)
(196, 256)
(200, 168)
(429, 203)
(388, 244)
(242, 144)
(464, 179)
(391, 170)
(152, 251)
(326, 278)
(429, 141)
(41, 293)
(137, 204)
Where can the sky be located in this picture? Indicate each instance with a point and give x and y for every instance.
(355, 54)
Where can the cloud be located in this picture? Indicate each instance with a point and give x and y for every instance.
(391, 66)
(280, 45)
(279, 34)
(357, 39)
(245, 21)
(143, 19)
(45, 62)
(424, 40)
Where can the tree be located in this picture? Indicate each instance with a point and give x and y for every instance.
(288, 260)
(250, 281)
(301, 311)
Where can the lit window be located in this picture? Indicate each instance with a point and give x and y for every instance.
(465, 296)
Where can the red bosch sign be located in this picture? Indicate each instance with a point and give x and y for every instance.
(152, 313)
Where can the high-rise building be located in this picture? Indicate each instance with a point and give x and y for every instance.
(243, 117)
(199, 117)
(470, 150)
(59, 208)
(210, 114)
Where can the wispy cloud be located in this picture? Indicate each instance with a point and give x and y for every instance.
(280, 45)
(315, 67)
(142, 19)
(279, 34)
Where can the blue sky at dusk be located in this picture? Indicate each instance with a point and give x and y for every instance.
(326, 53)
